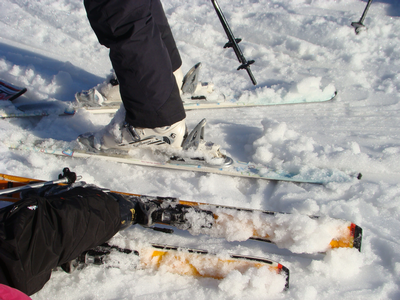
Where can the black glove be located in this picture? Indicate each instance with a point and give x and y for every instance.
(134, 211)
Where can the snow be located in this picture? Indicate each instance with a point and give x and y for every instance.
(300, 46)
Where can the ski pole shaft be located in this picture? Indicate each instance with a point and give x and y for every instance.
(32, 186)
(359, 26)
(365, 11)
(67, 177)
(233, 43)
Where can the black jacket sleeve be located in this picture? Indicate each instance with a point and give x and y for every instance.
(38, 234)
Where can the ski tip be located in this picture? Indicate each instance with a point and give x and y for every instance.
(357, 236)
(70, 111)
(333, 97)
(21, 92)
(351, 239)
(284, 271)
(356, 175)
(9, 91)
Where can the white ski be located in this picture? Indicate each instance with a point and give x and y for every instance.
(236, 168)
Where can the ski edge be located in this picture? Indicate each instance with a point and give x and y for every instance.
(210, 105)
(237, 169)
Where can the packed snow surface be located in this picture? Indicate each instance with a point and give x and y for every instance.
(300, 47)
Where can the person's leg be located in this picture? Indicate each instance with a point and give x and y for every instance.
(166, 34)
(39, 233)
(140, 58)
(144, 55)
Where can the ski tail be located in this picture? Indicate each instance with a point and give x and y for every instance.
(9, 91)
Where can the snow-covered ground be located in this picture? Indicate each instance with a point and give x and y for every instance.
(49, 47)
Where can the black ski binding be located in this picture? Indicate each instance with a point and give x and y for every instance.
(95, 256)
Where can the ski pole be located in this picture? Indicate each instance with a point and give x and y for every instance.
(67, 177)
(233, 43)
(358, 25)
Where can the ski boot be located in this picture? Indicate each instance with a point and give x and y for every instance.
(191, 90)
(125, 136)
(183, 148)
(149, 211)
(104, 94)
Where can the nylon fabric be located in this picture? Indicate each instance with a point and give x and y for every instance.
(38, 234)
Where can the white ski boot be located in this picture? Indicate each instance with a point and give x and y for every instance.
(118, 134)
(182, 147)
(171, 135)
(90, 98)
(104, 94)
(107, 94)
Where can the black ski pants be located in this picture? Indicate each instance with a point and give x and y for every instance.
(144, 56)
(38, 233)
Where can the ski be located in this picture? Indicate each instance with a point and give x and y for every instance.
(37, 109)
(106, 99)
(231, 223)
(47, 108)
(11, 108)
(235, 168)
(173, 259)
(240, 224)
(177, 260)
(202, 102)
